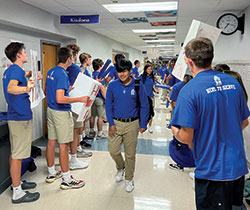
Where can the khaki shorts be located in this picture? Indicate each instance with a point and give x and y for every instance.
(60, 125)
(20, 138)
(98, 108)
(76, 124)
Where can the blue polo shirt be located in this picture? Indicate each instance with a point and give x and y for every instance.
(173, 80)
(149, 85)
(73, 72)
(135, 71)
(213, 104)
(94, 76)
(57, 79)
(121, 102)
(18, 105)
(113, 72)
(176, 90)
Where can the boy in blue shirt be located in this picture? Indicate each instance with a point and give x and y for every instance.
(98, 107)
(60, 120)
(113, 72)
(19, 116)
(76, 149)
(135, 70)
(126, 117)
(85, 60)
(209, 116)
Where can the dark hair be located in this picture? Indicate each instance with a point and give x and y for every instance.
(187, 78)
(200, 50)
(221, 67)
(83, 57)
(145, 74)
(63, 54)
(97, 63)
(237, 76)
(75, 48)
(136, 61)
(123, 65)
(119, 57)
(12, 49)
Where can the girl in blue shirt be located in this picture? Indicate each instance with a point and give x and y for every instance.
(148, 80)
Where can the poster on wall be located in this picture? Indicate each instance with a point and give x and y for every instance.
(197, 29)
(84, 86)
(36, 94)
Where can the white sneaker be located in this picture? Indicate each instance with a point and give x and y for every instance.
(150, 130)
(101, 137)
(119, 175)
(78, 164)
(191, 174)
(129, 185)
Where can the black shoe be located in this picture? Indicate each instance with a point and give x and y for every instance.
(176, 167)
(85, 144)
(88, 138)
(28, 197)
(26, 185)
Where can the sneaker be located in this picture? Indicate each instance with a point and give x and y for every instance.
(119, 175)
(191, 175)
(101, 137)
(87, 138)
(150, 130)
(73, 184)
(84, 154)
(84, 144)
(92, 134)
(175, 166)
(78, 165)
(52, 178)
(129, 185)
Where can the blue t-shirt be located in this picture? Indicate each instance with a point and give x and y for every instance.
(149, 85)
(86, 72)
(176, 90)
(18, 105)
(94, 76)
(135, 71)
(113, 73)
(173, 80)
(121, 102)
(73, 72)
(213, 104)
(57, 79)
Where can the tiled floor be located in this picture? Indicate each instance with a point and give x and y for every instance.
(156, 186)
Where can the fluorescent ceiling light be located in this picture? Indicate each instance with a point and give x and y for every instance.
(141, 7)
(159, 45)
(160, 40)
(144, 31)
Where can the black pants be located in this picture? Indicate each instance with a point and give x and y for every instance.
(221, 195)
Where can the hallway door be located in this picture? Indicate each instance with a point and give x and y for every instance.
(49, 61)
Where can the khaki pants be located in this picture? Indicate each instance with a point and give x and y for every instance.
(127, 134)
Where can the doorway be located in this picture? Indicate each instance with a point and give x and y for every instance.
(49, 60)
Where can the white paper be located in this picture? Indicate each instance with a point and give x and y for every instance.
(84, 86)
(197, 29)
(36, 94)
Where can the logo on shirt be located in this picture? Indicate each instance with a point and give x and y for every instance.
(132, 92)
(217, 80)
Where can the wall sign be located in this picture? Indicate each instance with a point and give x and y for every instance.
(79, 19)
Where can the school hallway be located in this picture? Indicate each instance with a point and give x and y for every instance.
(157, 187)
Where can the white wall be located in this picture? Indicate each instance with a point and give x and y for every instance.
(235, 51)
(22, 22)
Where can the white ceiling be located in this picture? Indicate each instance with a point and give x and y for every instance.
(206, 11)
